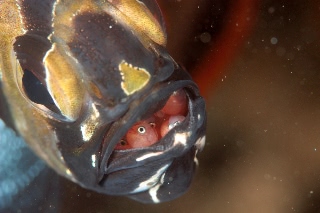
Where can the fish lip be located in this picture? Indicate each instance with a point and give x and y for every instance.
(108, 163)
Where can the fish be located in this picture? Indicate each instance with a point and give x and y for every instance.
(91, 88)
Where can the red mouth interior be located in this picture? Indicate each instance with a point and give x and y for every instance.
(147, 132)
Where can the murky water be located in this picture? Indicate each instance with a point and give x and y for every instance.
(262, 150)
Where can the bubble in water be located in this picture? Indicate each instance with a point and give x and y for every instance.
(271, 10)
(274, 40)
(205, 37)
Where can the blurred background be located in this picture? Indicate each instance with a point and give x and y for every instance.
(258, 65)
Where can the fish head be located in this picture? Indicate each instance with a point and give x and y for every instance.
(122, 117)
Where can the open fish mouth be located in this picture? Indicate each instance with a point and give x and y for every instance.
(156, 158)
(150, 130)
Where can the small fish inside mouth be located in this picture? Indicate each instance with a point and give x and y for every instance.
(149, 131)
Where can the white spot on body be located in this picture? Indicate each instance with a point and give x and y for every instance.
(196, 161)
(181, 138)
(153, 193)
(93, 160)
(68, 172)
(201, 142)
(83, 129)
(148, 156)
(152, 181)
(88, 127)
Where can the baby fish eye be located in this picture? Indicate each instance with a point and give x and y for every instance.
(123, 142)
(141, 130)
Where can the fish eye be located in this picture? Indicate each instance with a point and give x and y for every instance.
(141, 129)
(123, 143)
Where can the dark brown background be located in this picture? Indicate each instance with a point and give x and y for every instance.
(263, 144)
